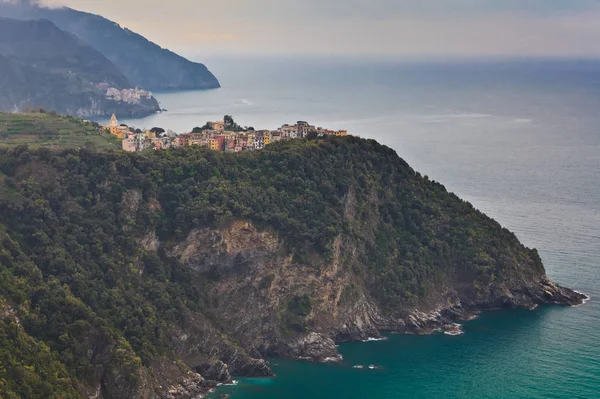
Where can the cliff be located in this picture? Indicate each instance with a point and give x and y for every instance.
(144, 63)
(158, 274)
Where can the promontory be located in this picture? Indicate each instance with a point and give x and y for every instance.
(162, 273)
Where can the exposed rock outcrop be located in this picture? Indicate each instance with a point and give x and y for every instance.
(256, 280)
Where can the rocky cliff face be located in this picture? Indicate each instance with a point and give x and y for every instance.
(159, 275)
(258, 280)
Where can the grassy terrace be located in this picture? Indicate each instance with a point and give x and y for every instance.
(48, 129)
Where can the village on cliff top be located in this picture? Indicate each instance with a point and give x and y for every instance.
(223, 136)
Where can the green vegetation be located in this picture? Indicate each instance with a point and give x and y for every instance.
(50, 129)
(300, 305)
(28, 369)
(72, 268)
(230, 124)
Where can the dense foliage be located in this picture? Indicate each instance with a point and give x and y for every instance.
(73, 268)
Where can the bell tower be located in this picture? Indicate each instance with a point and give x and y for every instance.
(114, 124)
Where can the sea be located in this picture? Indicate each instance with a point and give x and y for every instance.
(519, 139)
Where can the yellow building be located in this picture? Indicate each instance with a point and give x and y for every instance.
(219, 126)
(213, 144)
(267, 138)
(150, 134)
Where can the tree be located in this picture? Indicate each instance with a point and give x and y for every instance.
(312, 135)
(229, 122)
(157, 130)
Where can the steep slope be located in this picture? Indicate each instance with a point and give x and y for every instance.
(42, 66)
(121, 263)
(144, 63)
(41, 44)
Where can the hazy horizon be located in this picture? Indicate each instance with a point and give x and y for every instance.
(379, 28)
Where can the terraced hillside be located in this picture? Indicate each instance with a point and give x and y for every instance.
(49, 129)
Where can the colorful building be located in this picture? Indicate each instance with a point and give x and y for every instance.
(129, 145)
(214, 144)
(219, 126)
(114, 125)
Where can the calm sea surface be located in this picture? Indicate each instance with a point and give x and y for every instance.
(520, 140)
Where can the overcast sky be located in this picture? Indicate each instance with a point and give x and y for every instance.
(388, 27)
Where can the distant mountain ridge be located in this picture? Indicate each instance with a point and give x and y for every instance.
(143, 62)
(42, 44)
(43, 66)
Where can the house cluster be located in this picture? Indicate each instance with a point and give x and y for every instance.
(223, 136)
(131, 96)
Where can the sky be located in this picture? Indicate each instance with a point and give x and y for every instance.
(420, 28)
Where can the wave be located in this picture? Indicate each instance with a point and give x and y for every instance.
(454, 329)
(370, 367)
(374, 339)
(232, 384)
(586, 300)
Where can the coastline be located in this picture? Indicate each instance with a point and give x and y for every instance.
(368, 366)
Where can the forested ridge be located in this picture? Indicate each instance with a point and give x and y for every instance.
(81, 297)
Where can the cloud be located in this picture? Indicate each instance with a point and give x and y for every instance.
(390, 27)
(211, 37)
(21, 2)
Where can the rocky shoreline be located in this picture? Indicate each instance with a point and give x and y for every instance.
(444, 319)
(321, 347)
(250, 299)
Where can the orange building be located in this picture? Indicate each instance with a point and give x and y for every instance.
(213, 144)
(114, 125)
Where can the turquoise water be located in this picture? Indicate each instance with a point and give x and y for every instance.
(520, 140)
(499, 356)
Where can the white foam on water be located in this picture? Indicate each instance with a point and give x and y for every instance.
(456, 330)
(586, 300)
(232, 384)
(454, 333)
(374, 339)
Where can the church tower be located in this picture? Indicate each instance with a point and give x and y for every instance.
(114, 125)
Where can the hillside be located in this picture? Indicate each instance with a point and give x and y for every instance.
(158, 274)
(41, 65)
(44, 129)
(41, 44)
(144, 63)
